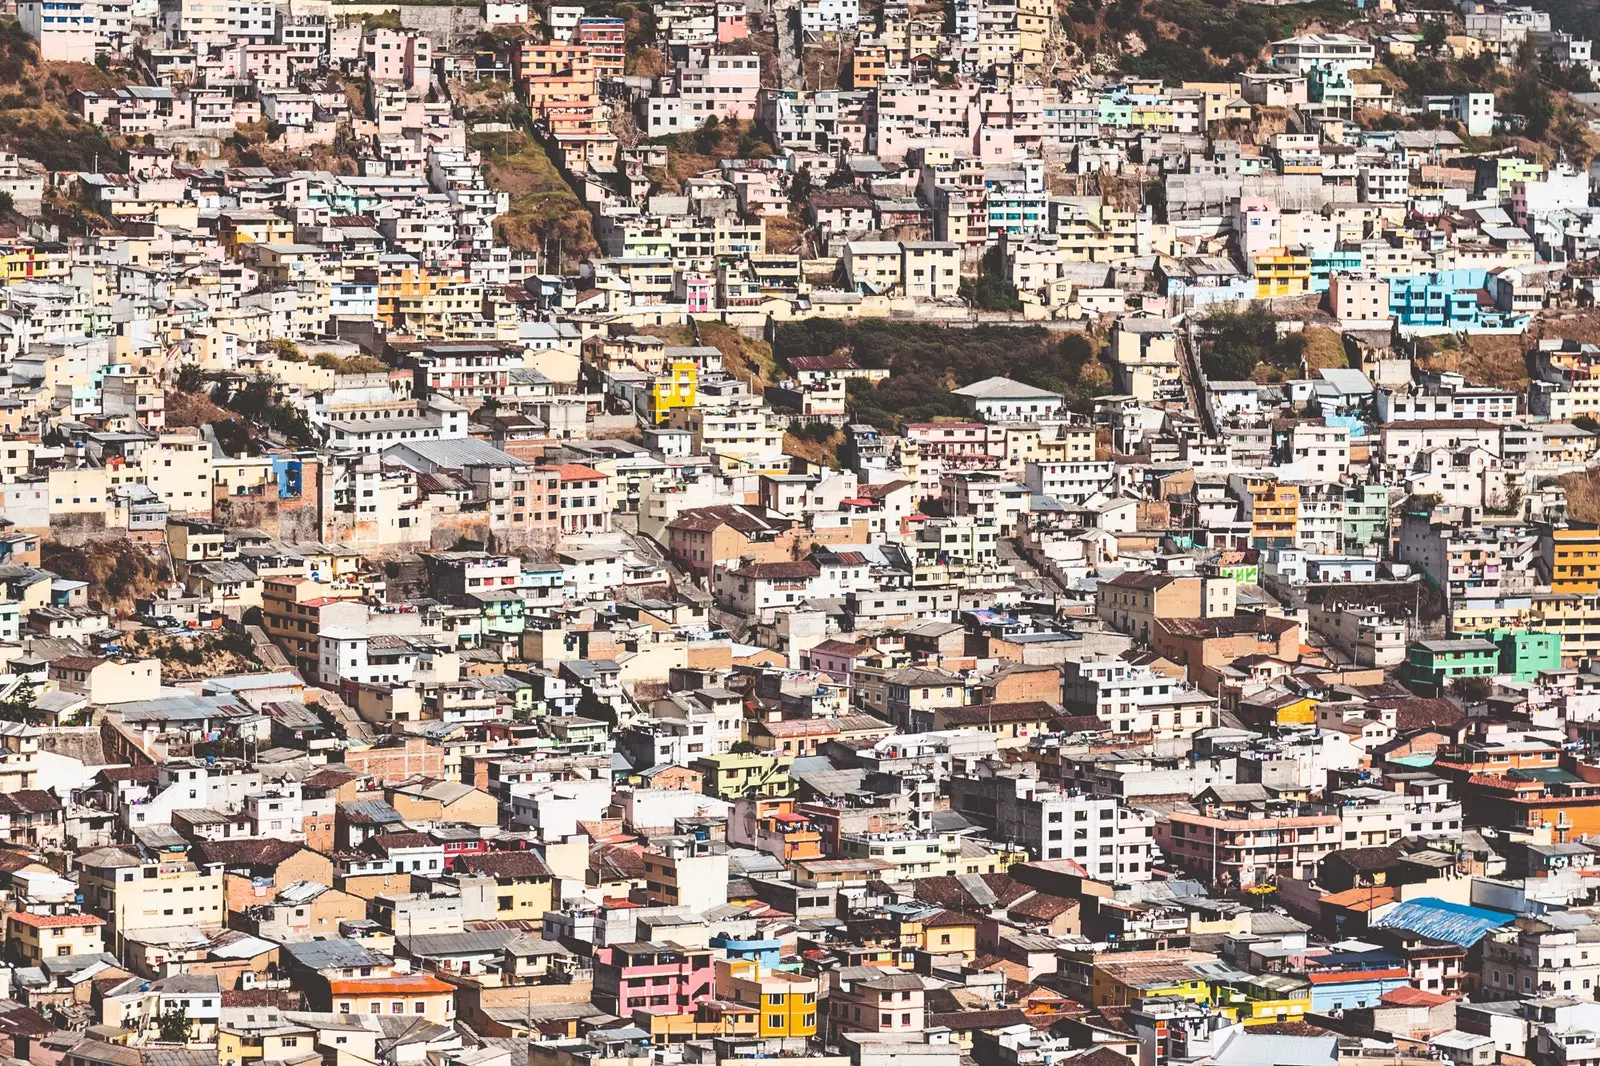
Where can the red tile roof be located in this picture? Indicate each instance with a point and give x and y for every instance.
(55, 921)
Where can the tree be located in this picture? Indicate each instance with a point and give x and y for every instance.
(18, 705)
(706, 137)
(1533, 100)
(1231, 361)
(991, 291)
(5, 203)
(1471, 689)
(801, 186)
(174, 1024)
(1433, 34)
(191, 378)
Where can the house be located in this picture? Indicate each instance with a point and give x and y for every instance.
(999, 399)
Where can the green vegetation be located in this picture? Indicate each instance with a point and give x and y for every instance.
(748, 358)
(256, 401)
(34, 119)
(991, 291)
(543, 206)
(191, 378)
(1324, 349)
(1193, 39)
(202, 653)
(174, 1025)
(928, 360)
(1244, 345)
(18, 705)
(694, 153)
(816, 442)
(355, 364)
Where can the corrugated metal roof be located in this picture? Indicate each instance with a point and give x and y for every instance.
(1439, 919)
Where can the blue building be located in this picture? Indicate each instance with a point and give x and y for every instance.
(1450, 300)
(1326, 264)
(767, 951)
(1342, 980)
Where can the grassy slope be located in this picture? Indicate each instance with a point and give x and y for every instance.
(543, 205)
(35, 121)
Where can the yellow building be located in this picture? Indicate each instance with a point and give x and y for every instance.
(253, 226)
(710, 1019)
(1284, 709)
(941, 933)
(410, 288)
(519, 882)
(1274, 511)
(1574, 615)
(788, 1001)
(28, 262)
(1478, 614)
(1281, 272)
(677, 388)
(37, 937)
(1272, 998)
(1120, 979)
(250, 1043)
(133, 894)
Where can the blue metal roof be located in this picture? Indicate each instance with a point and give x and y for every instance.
(1439, 919)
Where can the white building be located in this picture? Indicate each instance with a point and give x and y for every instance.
(1297, 55)
(829, 16)
(1000, 399)
(1475, 111)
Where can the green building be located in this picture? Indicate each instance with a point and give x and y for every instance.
(1431, 665)
(735, 774)
(1524, 653)
(1366, 518)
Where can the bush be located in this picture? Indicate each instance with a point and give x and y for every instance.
(1239, 342)
(925, 358)
(991, 291)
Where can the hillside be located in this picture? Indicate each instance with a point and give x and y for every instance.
(928, 361)
(1181, 40)
(543, 206)
(119, 572)
(34, 119)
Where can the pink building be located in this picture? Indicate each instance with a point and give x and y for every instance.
(265, 64)
(836, 658)
(397, 56)
(1258, 224)
(914, 116)
(886, 1001)
(697, 294)
(724, 86)
(955, 440)
(654, 978)
(732, 21)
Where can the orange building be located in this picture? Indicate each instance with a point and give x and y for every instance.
(1273, 508)
(869, 65)
(1571, 558)
(1570, 809)
(415, 995)
(557, 72)
(1206, 645)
